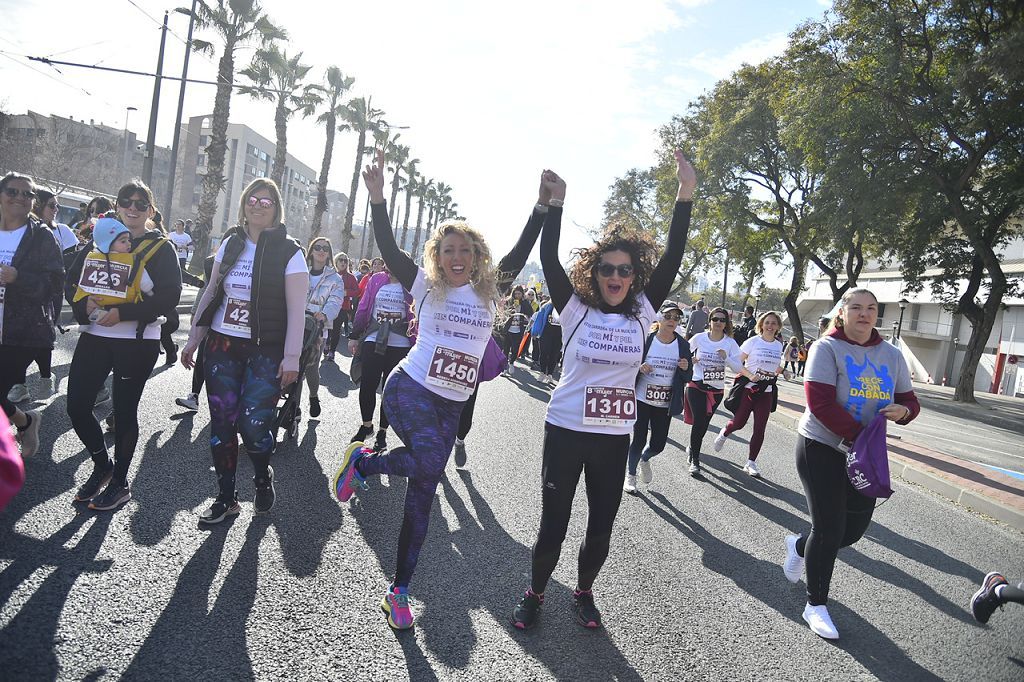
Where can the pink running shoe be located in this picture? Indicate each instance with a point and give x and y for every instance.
(396, 605)
(347, 479)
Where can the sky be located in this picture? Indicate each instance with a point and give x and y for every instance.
(491, 93)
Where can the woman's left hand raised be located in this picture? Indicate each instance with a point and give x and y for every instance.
(373, 178)
(687, 177)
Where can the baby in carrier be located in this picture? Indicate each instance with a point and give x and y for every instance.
(111, 273)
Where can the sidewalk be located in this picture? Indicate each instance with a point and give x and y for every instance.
(980, 487)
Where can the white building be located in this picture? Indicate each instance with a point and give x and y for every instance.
(934, 340)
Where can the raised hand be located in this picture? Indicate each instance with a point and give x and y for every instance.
(544, 193)
(687, 177)
(553, 184)
(373, 178)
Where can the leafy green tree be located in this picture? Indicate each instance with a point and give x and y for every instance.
(329, 96)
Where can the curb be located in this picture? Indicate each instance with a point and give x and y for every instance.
(970, 493)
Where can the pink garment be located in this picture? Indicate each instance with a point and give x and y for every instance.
(369, 298)
(12, 469)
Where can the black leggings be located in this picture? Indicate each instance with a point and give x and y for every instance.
(95, 357)
(166, 330)
(550, 348)
(466, 418)
(340, 326)
(375, 368)
(839, 514)
(698, 403)
(199, 371)
(44, 361)
(657, 419)
(14, 362)
(567, 454)
(512, 341)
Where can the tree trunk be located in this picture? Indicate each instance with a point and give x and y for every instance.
(281, 152)
(213, 181)
(405, 218)
(982, 317)
(796, 286)
(350, 210)
(394, 198)
(419, 229)
(321, 185)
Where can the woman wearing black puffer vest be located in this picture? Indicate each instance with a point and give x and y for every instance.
(255, 304)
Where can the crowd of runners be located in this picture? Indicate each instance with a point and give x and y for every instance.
(621, 358)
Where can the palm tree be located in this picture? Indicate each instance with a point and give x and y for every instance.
(427, 195)
(382, 140)
(396, 158)
(237, 23)
(411, 190)
(277, 78)
(361, 118)
(329, 96)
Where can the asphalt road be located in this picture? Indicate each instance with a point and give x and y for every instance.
(693, 588)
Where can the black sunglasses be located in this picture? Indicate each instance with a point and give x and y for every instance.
(322, 247)
(607, 269)
(13, 193)
(140, 204)
(672, 316)
(719, 319)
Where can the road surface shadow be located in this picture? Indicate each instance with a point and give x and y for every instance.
(28, 642)
(763, 580)
(478, 566)
(188, 641)
(337, 382)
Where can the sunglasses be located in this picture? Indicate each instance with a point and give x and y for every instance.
(52, 204)
(13, 193)
(322, 247)
(672, 316)
(262, 202)
(140, 204)
(719, 319)
(607, 270)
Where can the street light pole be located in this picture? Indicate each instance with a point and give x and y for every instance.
(899, 325)
(124, 151)
(177, 119)
(147, 162)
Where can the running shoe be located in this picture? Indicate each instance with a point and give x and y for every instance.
(820, 622)
(694, 469)
(347, 479)
(630, 485)
(719, 441)
(18, 393)
(220, 510)
(28, 437)
(314, 407)
(265, 493)
(395, 605)
(380, 443)
(586, 611)
(190, 402)
(646, 471)
(99, 477)
(751, 468)
(172, 356)
(793, 566)
(460, 453)
(362, 434)
(985, 601)
(114, 496)
(527, 611)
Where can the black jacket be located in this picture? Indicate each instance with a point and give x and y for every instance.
(269, 308)
(28, 301)
(682, 376)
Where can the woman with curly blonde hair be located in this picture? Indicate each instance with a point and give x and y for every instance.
(454, 298)
(606, 303)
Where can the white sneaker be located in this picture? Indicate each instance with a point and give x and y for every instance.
(630, 485)
(29, 438)
(189, 403)
(18, 393)
(793, 566)
(818, 620)
(719, 441)
(694, 469)
(646, 472)
(751, 468)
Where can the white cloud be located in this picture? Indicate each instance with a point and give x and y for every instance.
(752, 52)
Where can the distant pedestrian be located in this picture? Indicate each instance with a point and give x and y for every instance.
(698, 321)
(792, 354)
(745, 329)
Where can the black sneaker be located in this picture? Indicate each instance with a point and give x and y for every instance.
(99, 477)
(527, 610)
(587, 614)
(314, 406)
(172, 355)
(114, 496)
(362, 434)
(220, 510)
(380, 443)
(460, 454)
(265, 494)
(985, 602)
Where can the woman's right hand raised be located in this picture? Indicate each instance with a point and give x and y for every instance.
(373, 178)
(552, 184)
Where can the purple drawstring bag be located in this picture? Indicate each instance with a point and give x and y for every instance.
(867, 462)
(493, 362)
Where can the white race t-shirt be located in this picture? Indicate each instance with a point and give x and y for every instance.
(233, 316)
(451, 338)
(9, 242)
(182, 243)
(708, 365)
(655, 388)
(763, 357)
(390, 302)
(66, 239)
(601, 358)
(130, 330)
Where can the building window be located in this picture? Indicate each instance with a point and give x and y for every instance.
(201, 160)
(204, 140)
(263, 155)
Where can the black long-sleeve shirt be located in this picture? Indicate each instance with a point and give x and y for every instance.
(660, 283)
(404, 268)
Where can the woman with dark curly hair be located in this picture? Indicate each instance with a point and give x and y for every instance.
(606, 304)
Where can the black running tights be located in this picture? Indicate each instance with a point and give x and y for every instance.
(375, 368)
